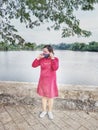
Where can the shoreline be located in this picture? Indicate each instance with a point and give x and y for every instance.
(65, 90)
(73, 97)
(59, 84)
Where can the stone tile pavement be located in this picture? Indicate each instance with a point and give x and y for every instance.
(26, 117)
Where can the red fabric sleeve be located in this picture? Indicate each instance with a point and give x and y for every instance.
(36, 63)
(55, 63)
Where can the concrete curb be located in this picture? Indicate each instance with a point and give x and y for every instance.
(70, 97)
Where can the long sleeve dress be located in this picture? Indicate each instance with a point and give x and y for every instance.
(47, 85)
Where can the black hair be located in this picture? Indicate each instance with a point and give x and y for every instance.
(49, 47)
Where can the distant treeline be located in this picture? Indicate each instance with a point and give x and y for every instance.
(91, 46)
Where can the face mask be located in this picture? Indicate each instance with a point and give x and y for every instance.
(46, 55)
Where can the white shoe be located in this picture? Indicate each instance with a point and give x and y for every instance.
(42, 114)
(50, 115)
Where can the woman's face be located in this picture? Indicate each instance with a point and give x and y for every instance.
(45, 51)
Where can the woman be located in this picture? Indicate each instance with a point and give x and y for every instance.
(47, 86)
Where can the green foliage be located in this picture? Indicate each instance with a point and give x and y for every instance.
(17, 47)
(3, 46)
(62, 46)
(92, 46)
(30, 46)
(35, 12)
(78, 46)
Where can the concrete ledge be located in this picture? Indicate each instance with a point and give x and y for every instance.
(70, 97)
(18, 88)
(65, 91)
(81, 92)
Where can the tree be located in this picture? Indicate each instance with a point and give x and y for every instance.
(30, 46)
(35, 12)
(93, 46)
(3, 46)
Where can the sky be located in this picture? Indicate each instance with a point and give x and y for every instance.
(38, 35)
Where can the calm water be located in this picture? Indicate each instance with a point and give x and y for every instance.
(75, 67)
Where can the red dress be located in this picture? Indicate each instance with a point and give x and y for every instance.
(47, 85)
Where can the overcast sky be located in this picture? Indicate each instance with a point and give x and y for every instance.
(88, 20)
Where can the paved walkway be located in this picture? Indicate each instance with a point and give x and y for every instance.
(25, 117)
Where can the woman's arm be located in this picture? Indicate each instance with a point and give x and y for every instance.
(55, 63)
(36, 63)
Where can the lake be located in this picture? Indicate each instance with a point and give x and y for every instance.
(75, 68)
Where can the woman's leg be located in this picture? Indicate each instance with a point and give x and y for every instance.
(50, 104)
(44, 103)
(44, 106)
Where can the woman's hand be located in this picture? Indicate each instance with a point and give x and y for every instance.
(40, 56)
